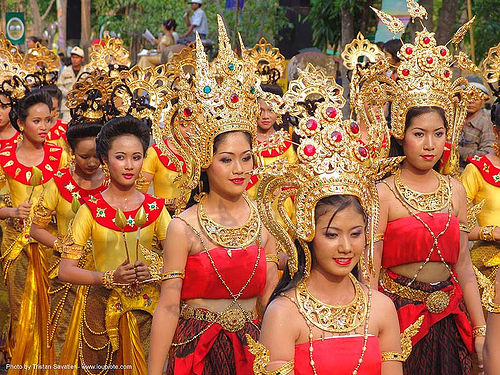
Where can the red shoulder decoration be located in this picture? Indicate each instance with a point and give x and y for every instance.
(252, 182)
(166, 161)
(69, 188)
(22, 173)
(490, 173)
(104, 214)
(14, 139)
(277, 151)
(57, 131)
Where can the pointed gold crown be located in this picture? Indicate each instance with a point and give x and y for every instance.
(269, 63)
(332, 161)
(109, 55)
(89, 99)
(221, 98)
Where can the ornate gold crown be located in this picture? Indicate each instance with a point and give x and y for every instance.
(8, 52)
(332, 161)
(425, 79)
(40, 58)
(182, 64)
(89, 100)
(109, 55)
(491, 69)
(222, 97)
(269, 63)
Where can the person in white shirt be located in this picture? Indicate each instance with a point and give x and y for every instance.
(196, 23)
(69, 75)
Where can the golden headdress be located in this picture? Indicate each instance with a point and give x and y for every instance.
(109, 55)
(491, 69)
(268, 62)
(181, 65)
(42, 66)
(221, 97)
(8, 52)
(332, 161)
(425, 79)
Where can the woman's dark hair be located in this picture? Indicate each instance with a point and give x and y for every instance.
(117, 127)
(35, 39)
(54, 92)
(203, 177)
(392, 47)
(79, 131)
(396, 148)
(340, 203)
(170, 24)
(20, 109)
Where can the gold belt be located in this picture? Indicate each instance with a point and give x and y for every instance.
(436, 302)
(231, 320)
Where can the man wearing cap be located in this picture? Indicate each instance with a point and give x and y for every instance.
(477, 136)
(196, 23)
(68, 77)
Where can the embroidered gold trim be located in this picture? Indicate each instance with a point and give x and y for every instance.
(262, 359)
(169, 275)
(392, 356)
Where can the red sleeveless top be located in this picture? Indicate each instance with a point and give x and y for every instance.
(339, 355)
(406, 240)
(201, 281)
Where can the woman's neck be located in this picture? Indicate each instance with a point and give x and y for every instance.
(412, 173)
(126, 198)
(7, 132)
(227, 205)
(330, 289)
(86, 181)
(27, 146)
(263, 135)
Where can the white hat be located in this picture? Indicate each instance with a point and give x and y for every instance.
(480, 86)
(77, 51)
(195, 2)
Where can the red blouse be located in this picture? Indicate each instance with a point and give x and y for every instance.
(339, 355)
(406, 240)
(201, 281)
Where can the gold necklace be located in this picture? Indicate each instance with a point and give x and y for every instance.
(330, 318)
(231, 237)
(424, 202)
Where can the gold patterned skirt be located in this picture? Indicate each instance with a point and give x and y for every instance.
(486, 257)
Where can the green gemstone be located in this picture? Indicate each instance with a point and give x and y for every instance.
(231, 66)
(252, 90)
(207, 89)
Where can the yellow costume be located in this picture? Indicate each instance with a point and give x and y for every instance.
(481, 180)
(164, 172)
(63, 297)
(112, 326)
(24, 262)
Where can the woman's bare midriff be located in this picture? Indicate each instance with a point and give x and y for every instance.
(432, 272)
(219, 305)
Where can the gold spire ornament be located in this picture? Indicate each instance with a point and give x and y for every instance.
(269, 63)
(331, 162)
(415, 10)
(394, 24)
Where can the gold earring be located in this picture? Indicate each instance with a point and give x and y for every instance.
(21, 129)
(105, 170)
(201, 193)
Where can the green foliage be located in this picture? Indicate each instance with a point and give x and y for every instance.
(486, 27)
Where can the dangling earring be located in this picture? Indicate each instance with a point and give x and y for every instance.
(201, 193)
(105, 170)
(21, 129)
(72, 163)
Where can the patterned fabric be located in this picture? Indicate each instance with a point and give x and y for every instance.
(477, 137)
(215, 351)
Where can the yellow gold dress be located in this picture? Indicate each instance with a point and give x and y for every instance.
(24, 263)
(63, 297)
(481, 180)
(112, 326)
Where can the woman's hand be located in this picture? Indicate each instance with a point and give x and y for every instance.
(125, 273)
(22, 211)
(478, 345)
(141, 271)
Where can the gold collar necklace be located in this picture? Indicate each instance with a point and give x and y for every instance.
(424, 202)
(231, 237)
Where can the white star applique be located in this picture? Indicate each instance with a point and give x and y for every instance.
(130, 221)
(70, 186)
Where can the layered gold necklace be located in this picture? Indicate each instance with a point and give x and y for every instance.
(237, 237)
(330, 318)
(424, 202)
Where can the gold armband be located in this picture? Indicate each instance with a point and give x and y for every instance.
(108, 279)
(487, 233)
(479, 331)
(172, 275)
(69, 249)
(392, 356)
(273, 258)
(41, 216)
(262, 358)
(463, 227)
(58, 246)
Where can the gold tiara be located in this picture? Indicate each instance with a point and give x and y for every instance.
(182, 64)
(332, 161)
(491, 69)
(109, 55)
(269, 63)
(8, 52)
(40, 58)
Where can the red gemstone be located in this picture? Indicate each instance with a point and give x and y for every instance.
(429, 60)
(409, 50)
(235, 98)
(336, 136)
(446, 73)
(426, 40)
(443, 52)
(312, 124)
(188, 112)
(309, 150)
(405, 72)
(354, 127)
(331, 112)
(145, 296)
(363, 152)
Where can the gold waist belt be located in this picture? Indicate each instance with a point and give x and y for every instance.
(231, 320)
(436, 302)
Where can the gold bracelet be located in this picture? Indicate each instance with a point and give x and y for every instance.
(487, 233)
(108, 279)
(392, 356)
(58, 245)
(172, 275)
(274, 258)
(479, 331)
(463, 228)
